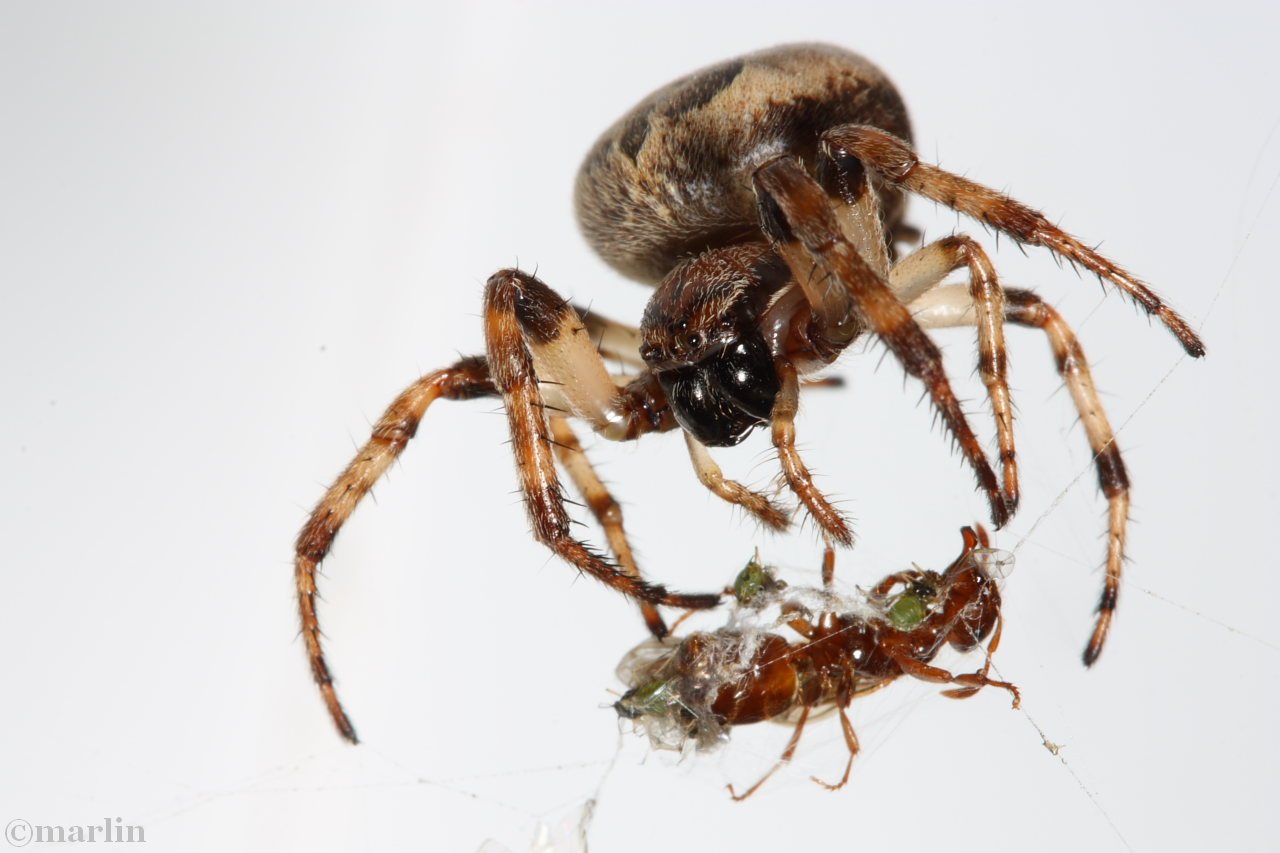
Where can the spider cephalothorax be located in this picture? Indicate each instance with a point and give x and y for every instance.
(764, 198)
(702, 336)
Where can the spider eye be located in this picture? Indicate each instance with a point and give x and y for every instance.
(694, 341)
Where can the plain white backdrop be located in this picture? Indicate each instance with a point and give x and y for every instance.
(230, 234)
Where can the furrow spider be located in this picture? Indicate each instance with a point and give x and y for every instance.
(763, 199)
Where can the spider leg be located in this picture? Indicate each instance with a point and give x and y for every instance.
(783, 418)
(603, 506)
(527, 324)
(894, 160)
(860, 217)
(977, 680)
(797, 215)
(951, 306)
(783, 759)
(926, 268)
(850, 742)
(613, 339)
(828, 567)
(710, 475)
(465, 380)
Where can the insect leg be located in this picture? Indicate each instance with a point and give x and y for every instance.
(851, 742)
(783, 759)
(964, 692)
(923, 671)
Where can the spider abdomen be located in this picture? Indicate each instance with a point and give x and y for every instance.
(672, 177)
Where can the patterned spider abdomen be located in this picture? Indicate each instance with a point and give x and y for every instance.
(672, 177)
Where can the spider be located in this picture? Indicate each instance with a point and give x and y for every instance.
(763, 199)
(694, 691)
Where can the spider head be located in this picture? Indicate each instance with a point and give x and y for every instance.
(702, 338)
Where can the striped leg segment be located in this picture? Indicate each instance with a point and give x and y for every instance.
(607, 513)
(783, 418)
(527, 323)
(953, 306)
(846, 296)
(709, 474)
(895, 161)
(926, 268)
(465, 380)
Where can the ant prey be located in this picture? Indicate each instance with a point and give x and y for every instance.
(688, 694)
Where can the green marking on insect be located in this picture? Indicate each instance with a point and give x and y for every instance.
(907, 611)
(654, 698)
(753, 578)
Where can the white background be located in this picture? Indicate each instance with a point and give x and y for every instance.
(231, 234)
